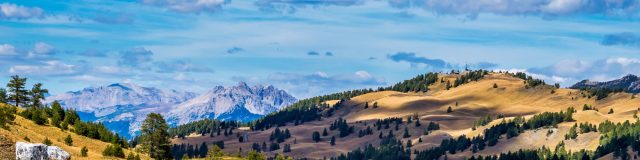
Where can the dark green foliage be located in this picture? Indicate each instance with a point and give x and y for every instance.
(419, 83)
(470, 76)
(274, 147)
(586, 128)
(366, 105)
(68, 141)
(342, 126)
(203, 127)
(367, 131)
(449, 110)
(84, 151)
(333, 140)
(483, 121)
(26, 139)
(390, 148)
(316, 136)
(406, 133)
(588, 107)
(57, 114)
(18, 95)
(529, 81)
(279, 136)
(154, 136)
(46, 141)
(191, 151)
(132, 156)
(7, 116)
(36, 95)
(572, 134)
(610, 111)
(287, 148)
(113, 151)
(601, 93)
(495, 85)
(324, 132)
(98, 131)
(4, 97)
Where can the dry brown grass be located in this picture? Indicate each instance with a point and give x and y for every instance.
(474, 100)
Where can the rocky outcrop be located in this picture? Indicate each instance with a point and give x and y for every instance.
(38, 151)
(57, 153)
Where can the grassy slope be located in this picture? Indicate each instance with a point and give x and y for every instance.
(475, 99)
(36, 133)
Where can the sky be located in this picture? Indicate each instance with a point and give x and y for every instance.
(311, 47)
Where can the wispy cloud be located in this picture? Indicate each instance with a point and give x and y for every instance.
(414, 59)
(13, 11)
(234, 50)
(114, 18)
(46, 68)
(180, 66)
(624, 39)
(188, 6)
(140, 58)
(290, 6)
(571, 71)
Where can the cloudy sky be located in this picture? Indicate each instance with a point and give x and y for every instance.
(311, 47)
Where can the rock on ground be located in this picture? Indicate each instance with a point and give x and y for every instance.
(38, 151)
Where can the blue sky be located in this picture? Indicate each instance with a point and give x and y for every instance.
(311, 47)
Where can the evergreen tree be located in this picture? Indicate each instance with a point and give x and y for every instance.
(316, 136)
(113, 151)
(495, 85)
(610, 111)
(572, 134)
(215, 153)
(449, 110)
(57, 114)
(366, 105)
(324, 132)
(253, 155)
(68, 141)
(18, 94)
(83, 151)
(4, 98)
(333, 140)
(36, 95)
(7, 115)
(154, 136)
(406, 133)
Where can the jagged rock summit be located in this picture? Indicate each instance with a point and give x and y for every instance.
(123, 106)
(240, 102)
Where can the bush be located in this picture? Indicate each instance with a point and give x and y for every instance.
(68, 141)
(113, 151)
(47, 141)
(83, 151)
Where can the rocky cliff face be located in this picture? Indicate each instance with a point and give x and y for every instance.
(38, 151)
(239, 102)
(629, 83)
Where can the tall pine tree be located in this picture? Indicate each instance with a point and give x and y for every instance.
(154, 137)
(18, 94)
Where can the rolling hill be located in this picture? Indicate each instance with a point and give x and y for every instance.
(23, 128)
(500, 96)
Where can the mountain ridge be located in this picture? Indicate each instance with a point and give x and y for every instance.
(123, 106)
(629, 83)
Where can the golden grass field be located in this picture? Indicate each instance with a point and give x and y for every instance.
(474, 100)
(26, 128)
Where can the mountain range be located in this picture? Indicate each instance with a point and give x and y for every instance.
(629, 83)
(123, 106)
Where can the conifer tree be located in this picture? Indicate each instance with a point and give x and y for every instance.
(18, 94)
(154, 136)
(68, 141)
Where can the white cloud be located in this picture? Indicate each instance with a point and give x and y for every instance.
(13, 11)
(7, 50)
(188, 6)
(568, 72)
(41, 49)
(46, 68)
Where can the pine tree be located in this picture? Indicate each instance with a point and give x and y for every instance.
(154, 136)
(68, 141)
(316, 136)
(36, 95)
(495, 85)
(324, 132)
(57, 114)
(4, 98)
(406, 133)
(333, 140)
(449, 110)
(83, 151)
(610, 111)
(366, 105)
(18, 94)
